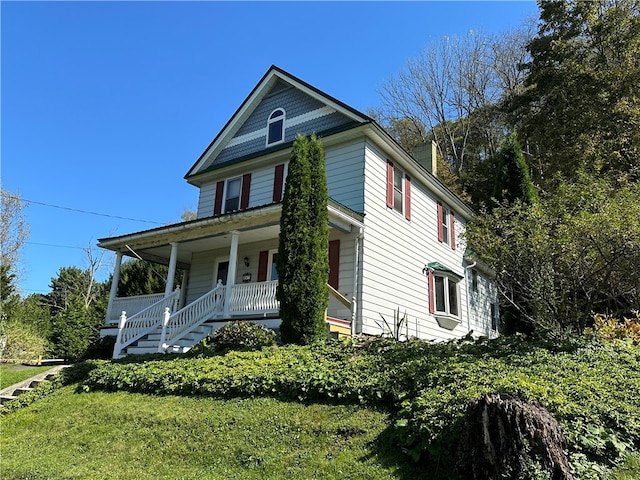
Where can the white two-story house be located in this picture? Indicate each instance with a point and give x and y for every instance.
(394, 245)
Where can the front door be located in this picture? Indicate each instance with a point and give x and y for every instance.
(222, 272)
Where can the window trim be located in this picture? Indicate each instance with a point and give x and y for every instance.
(446, 221)
(271, 120)
(226, 197)
(447, 297)
(405, 190)
(445, 318)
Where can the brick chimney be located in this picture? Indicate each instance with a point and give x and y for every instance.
(425, 155)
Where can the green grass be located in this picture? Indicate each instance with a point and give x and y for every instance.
(630, 470)
(10, 376)
(135, 436)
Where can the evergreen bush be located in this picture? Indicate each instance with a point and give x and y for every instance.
(242, 335)
(303, 246)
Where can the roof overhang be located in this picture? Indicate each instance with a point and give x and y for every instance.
(260, 91)
(252, 225)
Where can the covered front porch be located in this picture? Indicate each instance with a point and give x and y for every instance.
(228, 265)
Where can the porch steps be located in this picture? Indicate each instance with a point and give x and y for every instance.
(14, 391)
(149, 343)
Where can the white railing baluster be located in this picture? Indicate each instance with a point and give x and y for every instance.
(257, 297)
(136, 326)
(183, 321)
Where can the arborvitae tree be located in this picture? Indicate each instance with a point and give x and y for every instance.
(319, 222)
(512, 174)
(302, 251)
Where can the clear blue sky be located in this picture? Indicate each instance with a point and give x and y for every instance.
(106, 105)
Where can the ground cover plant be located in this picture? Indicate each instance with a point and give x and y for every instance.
(591, 387)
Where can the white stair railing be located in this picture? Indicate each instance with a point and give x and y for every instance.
(257, 297)
(175, 326)
(136, 326)
(132, 305)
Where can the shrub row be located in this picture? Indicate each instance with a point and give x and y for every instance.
(592, 389)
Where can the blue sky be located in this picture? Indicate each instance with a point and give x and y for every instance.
(106, 105)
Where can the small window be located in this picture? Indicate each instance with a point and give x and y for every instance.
(446, 295)
(444, 219)
(446, 226)
(398, 180)
(232, 195)
(275, 127)
(398, 190)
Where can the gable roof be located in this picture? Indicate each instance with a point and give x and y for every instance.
(275, 79)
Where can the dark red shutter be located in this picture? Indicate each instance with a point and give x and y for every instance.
(246, 189)
(334, 263)
(432, 295)
(407, 197)
(439, 220)
(278, 182)
(217, 207)
(263, 263)
(452, 222)
(389, 184)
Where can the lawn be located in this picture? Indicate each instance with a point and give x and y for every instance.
(11, 374)
(135, 436)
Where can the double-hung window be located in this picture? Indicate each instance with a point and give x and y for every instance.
(232, 194)
(446, 226)
(398, 190)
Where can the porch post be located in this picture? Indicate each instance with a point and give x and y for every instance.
(114, 285)
(173, 260)
(231, 274)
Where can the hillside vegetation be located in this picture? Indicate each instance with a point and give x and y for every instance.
(592, 388)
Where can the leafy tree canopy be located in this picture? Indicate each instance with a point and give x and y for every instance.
(581, 106)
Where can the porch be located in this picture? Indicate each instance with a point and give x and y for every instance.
(229, 273)
(162, 327)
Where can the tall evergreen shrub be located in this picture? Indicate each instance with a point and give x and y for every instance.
(302, 251)
(512, 176)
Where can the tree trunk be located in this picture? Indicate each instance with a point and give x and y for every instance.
(507, 438)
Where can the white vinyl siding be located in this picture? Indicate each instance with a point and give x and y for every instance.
(345, 174)
(394, 254)
(480, 302)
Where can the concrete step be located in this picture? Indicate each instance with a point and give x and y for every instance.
(20, 391)
(6, 398)
(141, 350)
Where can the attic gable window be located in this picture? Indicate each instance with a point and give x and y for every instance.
(275, 127)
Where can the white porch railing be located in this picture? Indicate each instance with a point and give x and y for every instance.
(132, 305)
(136, 326)
(173, 324)
(257, 297)
(183, 321)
